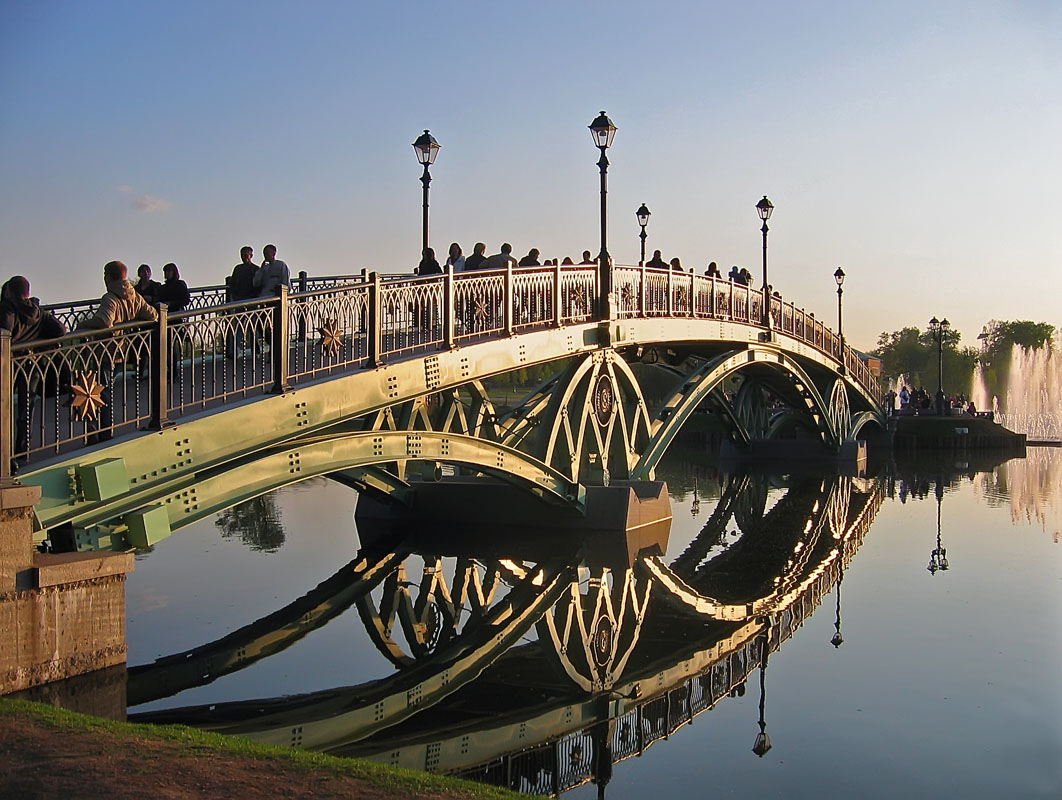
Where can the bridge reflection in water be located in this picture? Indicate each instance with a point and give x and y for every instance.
(542, 673)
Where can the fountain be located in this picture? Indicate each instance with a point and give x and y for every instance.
(1033, 401)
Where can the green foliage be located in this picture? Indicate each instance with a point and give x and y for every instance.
(998, 346)
(913, 352)
(256, 522)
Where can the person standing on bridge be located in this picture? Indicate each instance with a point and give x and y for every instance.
(22, 315)
(120, 304)
(475, 261)
(531, 259)
(145, 287)
(174, 292)
(588, 260)
(238, 289)
(657, 261)
(500, 260)
(454, 259)
(273, 273)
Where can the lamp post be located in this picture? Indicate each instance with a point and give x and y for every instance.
(939, 329)
(602, 130)
(839, 277)
(426, 149)
(643, 220)
(764, 208)
(938, 558)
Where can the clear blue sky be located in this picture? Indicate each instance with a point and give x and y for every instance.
(918, 145)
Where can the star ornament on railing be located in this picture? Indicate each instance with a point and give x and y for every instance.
(331, 338)
(627, 295)
(480, 312)
(86, 396)
(577, 298)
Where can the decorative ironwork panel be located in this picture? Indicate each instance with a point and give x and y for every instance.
(532, 297)
(656, 284)
(81, 387)
(578, 293)
(479, 304)
(329, 328)
(411, 314)
(219, 354)
(627, 286)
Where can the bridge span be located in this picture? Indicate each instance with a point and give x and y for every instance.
(146, 427)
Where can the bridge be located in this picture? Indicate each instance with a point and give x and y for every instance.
(139, 430)
(624, 655)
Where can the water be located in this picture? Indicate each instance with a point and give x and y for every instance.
(944, 680)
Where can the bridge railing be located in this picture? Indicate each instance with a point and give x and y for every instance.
(68, 392)
(649, 292)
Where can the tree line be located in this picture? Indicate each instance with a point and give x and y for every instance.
(912, 352)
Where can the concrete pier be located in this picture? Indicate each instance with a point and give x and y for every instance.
(60, 615)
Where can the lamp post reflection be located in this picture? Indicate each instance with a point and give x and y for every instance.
(938, 559)
(837, 640)
(763, 741)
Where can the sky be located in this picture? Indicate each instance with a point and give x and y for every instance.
(917, 145)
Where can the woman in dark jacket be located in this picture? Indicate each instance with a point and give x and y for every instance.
(174, 292)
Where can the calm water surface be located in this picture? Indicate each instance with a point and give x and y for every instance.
(945, 681)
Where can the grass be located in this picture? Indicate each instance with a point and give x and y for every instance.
(203, 744)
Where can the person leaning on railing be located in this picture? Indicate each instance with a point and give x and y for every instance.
(120, 304)
(22, 315)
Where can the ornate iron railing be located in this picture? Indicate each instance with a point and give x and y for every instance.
(68, 392)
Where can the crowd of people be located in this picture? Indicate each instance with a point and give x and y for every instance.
(479, 260)
(919, 401)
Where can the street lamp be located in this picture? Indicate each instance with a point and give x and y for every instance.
(764, 208)
(839, 277)
(643, 220)
(939, 329)
(426, 149)
(602, 130)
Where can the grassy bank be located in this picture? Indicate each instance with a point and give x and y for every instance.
(48, 749)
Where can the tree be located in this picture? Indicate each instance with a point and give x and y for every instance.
(998, 346)
(256, 522)
(913, 353)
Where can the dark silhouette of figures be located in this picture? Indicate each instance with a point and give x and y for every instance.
(272, 274)
(428, 264)
(531, 259)
(145, 287)
(734, 274)
(241, 282)
(676, 265)
(120, 304)
(174, 292)
(455, 260)
(746, 277)
(713, 271)
(567, 262)
(240, 288)
(500, 260)
(475, 261)
(657, 261)
(586, 258)
(22, 315)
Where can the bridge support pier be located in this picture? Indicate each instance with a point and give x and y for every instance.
(60, 615)
(456, 515)
(850, 459)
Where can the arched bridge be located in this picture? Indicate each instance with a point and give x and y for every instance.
(363, 376)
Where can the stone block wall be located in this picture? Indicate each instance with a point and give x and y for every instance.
(60, 615)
